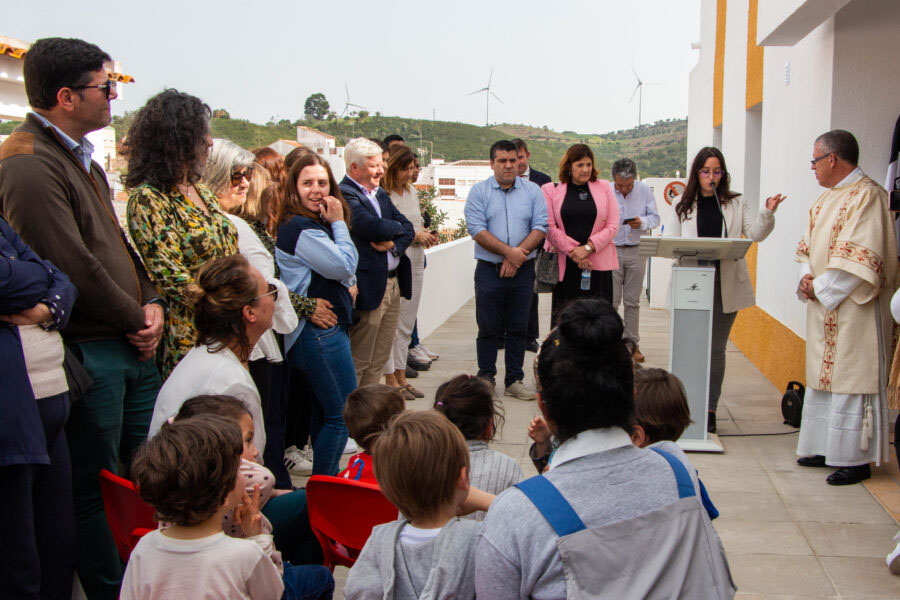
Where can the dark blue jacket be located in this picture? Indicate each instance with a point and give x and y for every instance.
(538, 178)
(25, 280)
(365, 227)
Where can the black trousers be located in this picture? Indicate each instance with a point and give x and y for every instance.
(37, 556)
(569, 289)
(272, 382)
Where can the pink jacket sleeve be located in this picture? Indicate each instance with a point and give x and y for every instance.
(556, 235)
(605, 236)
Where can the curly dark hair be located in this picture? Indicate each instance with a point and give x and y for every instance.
(167, 140)
(584, 371)
(187, 470)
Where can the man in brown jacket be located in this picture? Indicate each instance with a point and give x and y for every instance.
(58, 200)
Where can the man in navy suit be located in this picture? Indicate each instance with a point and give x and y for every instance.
(381, 234)
(539, 179)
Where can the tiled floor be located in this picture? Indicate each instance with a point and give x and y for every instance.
(787, 534)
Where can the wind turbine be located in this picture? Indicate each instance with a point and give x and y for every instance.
(639, 90)
(349, 104)
(487, 98)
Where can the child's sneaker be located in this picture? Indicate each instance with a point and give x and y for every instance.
(298, 462)
(893, 559)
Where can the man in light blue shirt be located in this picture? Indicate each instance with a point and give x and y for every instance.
(507, 218)
(637, 211)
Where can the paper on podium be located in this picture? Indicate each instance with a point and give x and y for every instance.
(696, 248)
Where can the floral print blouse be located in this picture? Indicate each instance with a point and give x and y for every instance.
(175, 238)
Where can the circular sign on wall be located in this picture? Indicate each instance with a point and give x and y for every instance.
(672, 191)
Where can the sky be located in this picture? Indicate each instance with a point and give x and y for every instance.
(567, 65)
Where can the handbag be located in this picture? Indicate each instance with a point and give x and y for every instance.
(76, 375)
(546, 272)
(792, 403)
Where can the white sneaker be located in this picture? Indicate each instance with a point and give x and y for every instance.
(298, 462)
(893, 559)
(421, 348)
(351, 447)
(417, 353)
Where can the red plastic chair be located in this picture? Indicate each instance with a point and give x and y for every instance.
(129, 517)
(342, 513)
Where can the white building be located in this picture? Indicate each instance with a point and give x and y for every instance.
(454, 180)
(14, 101)
(771, 76)
(325, 146)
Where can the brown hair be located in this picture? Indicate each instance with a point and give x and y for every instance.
(213, 404)
(293, 155)
(660, 405)
(221, 290)
(685, 206)
(290, 204)
(400, 158)
(187, 470)
(575, 153)
(368, 411)
(418, 461)
(271, 161)
(469, 404)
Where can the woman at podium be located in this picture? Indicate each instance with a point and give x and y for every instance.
(709, 208)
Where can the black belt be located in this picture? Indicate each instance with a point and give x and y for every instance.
(629, 245)
(497, 266)
(392, 273)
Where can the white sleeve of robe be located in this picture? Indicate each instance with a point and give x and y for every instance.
(834, 286)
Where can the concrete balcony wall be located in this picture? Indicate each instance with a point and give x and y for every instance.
(449, 283)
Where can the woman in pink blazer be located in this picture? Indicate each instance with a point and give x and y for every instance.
(583, 217)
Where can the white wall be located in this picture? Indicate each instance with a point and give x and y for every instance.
(700, 92)
(792, 117)
(448, 285)
(866, 93)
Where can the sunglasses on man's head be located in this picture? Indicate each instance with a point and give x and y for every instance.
(106, 87)
(237, 176)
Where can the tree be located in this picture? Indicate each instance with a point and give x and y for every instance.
(363, 114)
(316, 107)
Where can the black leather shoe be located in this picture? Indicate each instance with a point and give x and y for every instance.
(417, 365)
(531, 346)
(812, 461)
(850, 475)
(411, 373)
(711, 422)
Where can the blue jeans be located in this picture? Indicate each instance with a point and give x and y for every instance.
(105, 427)
(307, 582)
(502, 302)
(324, 355)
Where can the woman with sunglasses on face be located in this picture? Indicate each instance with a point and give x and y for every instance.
(708, 208)
(175, 222)
(317, 258)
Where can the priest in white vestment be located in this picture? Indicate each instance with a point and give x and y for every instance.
(848, 258)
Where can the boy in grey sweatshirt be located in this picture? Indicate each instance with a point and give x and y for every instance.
(421, 463)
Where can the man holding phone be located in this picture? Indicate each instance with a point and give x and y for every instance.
(637, 209)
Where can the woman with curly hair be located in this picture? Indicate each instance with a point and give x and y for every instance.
(176, 223)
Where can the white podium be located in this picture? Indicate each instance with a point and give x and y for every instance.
(691, 308)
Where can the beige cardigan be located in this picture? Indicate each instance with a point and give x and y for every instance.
(737, 291)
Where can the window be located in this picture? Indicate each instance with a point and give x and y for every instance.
(448, 192)
(446, 181)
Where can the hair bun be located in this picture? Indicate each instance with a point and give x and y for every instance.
(590, 325)
(194, 292)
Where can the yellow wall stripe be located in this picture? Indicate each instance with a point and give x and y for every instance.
(754, 59)
(719, 66)
(778, 352)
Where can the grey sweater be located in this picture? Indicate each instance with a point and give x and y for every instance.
(490, 471)
(443, 568)
(516, 555)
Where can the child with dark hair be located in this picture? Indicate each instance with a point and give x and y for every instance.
(367, 412)
(421, 461)
(189, 473)
(284, 513)
(469, 403)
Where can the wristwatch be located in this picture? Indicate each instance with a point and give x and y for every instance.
(588, 248)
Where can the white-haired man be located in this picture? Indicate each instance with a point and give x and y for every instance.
(381, 234)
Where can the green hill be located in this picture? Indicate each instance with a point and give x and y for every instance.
(659, 148)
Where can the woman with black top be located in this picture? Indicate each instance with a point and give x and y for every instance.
(583, 218)
(708, 208)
